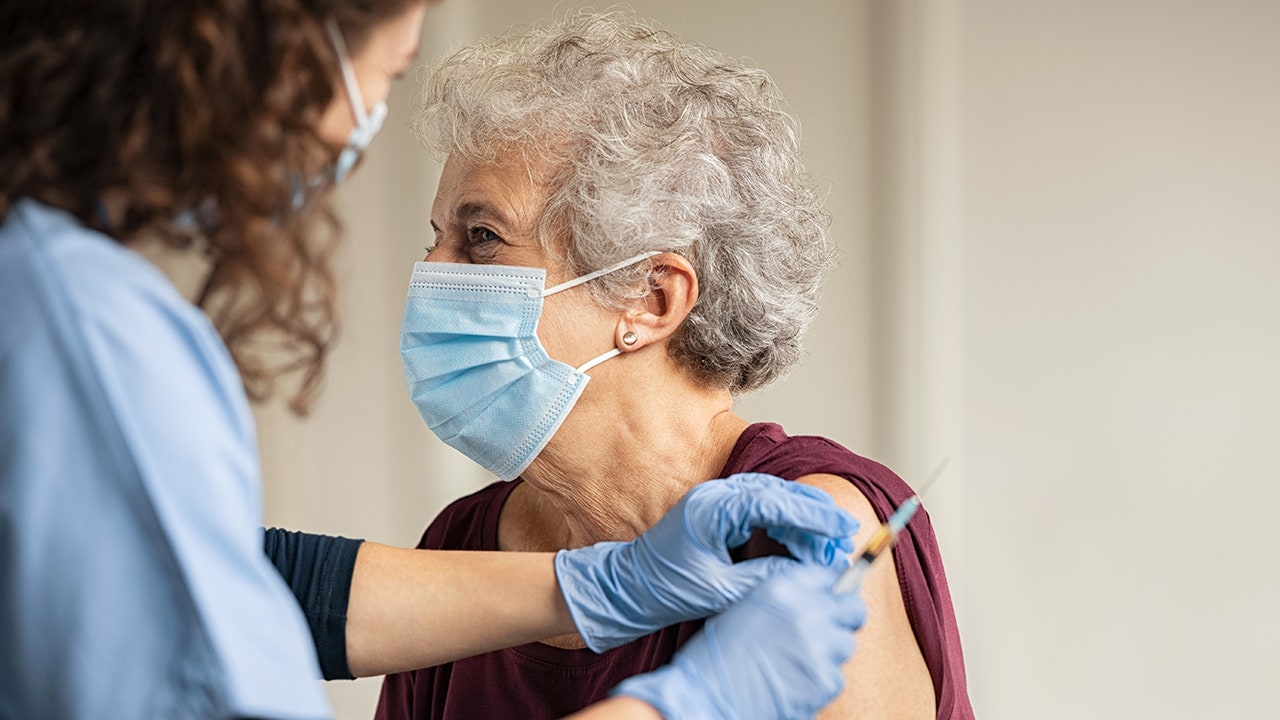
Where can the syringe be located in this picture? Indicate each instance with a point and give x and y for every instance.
(885, 536)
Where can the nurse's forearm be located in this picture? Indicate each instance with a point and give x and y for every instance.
(417, 608)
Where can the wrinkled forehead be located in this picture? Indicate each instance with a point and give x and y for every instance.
(509, 182)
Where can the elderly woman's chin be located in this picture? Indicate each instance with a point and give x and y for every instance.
(625, 240)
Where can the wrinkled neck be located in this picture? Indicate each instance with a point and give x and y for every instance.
(618, 464)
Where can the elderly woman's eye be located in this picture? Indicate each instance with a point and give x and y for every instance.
(483, 235)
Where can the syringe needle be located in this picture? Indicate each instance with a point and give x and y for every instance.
(933, 476)
(886, 534)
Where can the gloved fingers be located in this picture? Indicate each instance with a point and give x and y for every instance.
(810, 548)
(843, 648)
(761, 480)
(851, 611)
(832, 634)
(797, 586)
(784, 507)
(825, 617)
(777, 653)
(749, 574)
(801, 588)
(749, 482)
(832, 679)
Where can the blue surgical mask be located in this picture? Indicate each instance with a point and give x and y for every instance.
(475, 367)
(367, 123)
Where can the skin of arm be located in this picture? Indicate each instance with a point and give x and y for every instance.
(887, 677)
(618, 708)
(417, 608)
(411, 609)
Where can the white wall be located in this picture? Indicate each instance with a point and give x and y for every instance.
(1120, 244)
(1060, 222)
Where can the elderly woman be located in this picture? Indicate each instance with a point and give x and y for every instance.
(620, 203)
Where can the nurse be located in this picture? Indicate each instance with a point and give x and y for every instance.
(133, 582)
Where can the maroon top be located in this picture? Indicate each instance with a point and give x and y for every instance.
(539, 681)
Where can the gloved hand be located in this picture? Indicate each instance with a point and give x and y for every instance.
(680, 569)
(777, 654)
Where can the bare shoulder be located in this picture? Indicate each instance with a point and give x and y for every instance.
(849, 497)
(887, 677)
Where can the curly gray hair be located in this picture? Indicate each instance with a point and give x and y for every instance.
(655, 144)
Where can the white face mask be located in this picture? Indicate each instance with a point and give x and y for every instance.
(367, 123)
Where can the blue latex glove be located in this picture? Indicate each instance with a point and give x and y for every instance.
(680, 569)
(777, 654)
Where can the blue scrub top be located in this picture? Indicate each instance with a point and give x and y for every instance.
(132, 578)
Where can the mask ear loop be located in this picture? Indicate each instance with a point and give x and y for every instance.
(599, 273)
(582, 369)
(348, 74)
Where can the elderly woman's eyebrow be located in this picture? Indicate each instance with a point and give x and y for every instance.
(479, 210)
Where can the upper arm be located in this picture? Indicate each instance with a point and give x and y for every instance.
(887, 676)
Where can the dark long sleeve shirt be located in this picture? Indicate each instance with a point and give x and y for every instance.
(318, 569)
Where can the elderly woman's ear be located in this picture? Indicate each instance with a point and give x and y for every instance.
(673, 293)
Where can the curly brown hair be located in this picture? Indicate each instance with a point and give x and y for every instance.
(132, 114)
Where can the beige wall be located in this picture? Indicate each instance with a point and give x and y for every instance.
(1060, 224)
